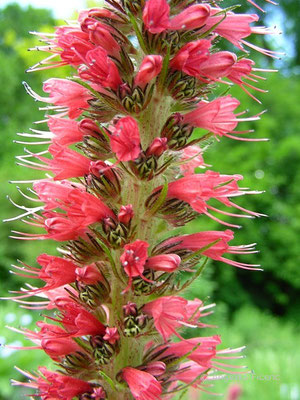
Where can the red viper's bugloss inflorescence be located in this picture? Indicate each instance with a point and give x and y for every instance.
(143, 79)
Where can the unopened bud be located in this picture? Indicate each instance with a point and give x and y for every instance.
(126, 214)
(164, 262)
(141, 320)
(108, 224)
(157, 147)
(111, 335)
(88, 127)
(156, 368)
(88, 275)
(130, 309)
(149, 69)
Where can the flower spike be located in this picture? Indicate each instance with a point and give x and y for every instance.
(119, 169)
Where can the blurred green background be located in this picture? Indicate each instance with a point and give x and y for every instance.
(258, 309)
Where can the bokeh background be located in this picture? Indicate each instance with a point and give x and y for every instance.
(257, 309)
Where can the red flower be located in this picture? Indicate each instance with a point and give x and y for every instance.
(234, 27)
(164, 262)
(243, 69)
(217, 116)
(192, 158)
(61, 229)
(55, 271)
(80, 210)
(77, 321)
(172, 312)
(74, 44)
(66, 163)
(52, 385)
(126, 214)
(80, 207)
(111, 335)
(218, 65)
(142, 385)
(157, 147)
(100, 35)
(202, 349)
(133, 259)
(190, 57)
(192, 17)
(149, 69)
(168, 314)
(65, 131)
(89, 275)
(156, 15)
(189, 372)
(197, 189)
(100, 69)
(68, 94)
(200, 240)
(51, 338)
(125, 139)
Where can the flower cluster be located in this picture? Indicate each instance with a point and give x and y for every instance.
(122, 167)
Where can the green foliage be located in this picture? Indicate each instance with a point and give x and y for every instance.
(12, 315)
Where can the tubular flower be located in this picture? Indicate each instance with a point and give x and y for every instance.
(80, 207)
(65, 163)
(125, 139)
(149, 69)
(191, 158)
(77, 321)
(100, 35)
(143, 385)
(191, 18)
(52, 339)
(74, 44)
(156, 15)
(214, 245)
(119, 161)
(51, 385)
(100, 69)
(236, 27)
(217, 116)
(164, 262)
(66, 94)
(133, 259)
(198, 189)
(190, 57)
(243, 69)
(218, 65)
(172, 312)
(65, 131)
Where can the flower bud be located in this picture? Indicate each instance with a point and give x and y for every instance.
(111, 335)
(164, 262)
(126, 214)
(89, 127)
(157, 147)
(156, 16)
(99, 35)
(88, 275)
(156, 368)
(149, 69)
(130, 309)
(218, 65)
(191, 18)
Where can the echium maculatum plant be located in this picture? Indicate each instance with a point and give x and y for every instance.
(122, 163)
